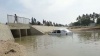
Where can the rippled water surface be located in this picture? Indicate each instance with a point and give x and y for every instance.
(85, 43)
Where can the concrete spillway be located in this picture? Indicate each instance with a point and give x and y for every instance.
(43, 29)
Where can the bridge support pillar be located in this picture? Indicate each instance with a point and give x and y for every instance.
(19, 32)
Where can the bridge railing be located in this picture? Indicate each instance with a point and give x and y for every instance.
(23, 20)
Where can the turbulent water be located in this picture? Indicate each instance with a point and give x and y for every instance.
(85, 43)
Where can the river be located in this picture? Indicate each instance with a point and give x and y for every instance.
(84, 43)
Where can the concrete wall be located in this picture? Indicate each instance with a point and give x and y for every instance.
(15, 32)
(35, 31)
(5, 33)
(20, 32)
(43, 29)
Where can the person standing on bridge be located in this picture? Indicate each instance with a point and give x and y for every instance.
(16, 19)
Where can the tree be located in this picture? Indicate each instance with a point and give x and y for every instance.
(83, 20)
(76, 24)
(32, 21)
(54, 24)
(38, 23)
(43, 21)
(98, 21)
(94, 17)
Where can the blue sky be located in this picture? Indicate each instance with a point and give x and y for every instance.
(60, 11)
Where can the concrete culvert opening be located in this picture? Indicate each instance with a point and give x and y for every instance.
(15, 32)
(28, 32)
(20, 32)
(23, 32)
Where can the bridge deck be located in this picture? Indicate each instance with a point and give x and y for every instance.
(19, 26)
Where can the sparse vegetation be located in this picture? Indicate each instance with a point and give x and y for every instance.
(87, 19)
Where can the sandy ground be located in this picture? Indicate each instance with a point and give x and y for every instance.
(83, 29)
(79, 29)
(7, 45)
(9, 48)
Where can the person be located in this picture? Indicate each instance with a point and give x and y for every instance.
(16, 19)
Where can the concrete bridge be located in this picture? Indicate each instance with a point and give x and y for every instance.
(19, 29)
(21, 26)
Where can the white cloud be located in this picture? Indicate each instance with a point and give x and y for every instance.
(61, 5)
(3, 17)
(60, 11)
(48, 9)
(51, 5)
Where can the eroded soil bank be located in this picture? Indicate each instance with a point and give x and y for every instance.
(7, 45)
(9, 48)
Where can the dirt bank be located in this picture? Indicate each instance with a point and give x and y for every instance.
(9, 48)
(7, 45)
(84, 29)
(5, 33)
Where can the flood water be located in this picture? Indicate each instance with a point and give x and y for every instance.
(85, 43)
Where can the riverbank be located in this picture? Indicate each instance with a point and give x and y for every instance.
(9, 48)
(84, 28)
(7, 45)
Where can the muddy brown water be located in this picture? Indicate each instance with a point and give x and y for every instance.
(85, 43)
